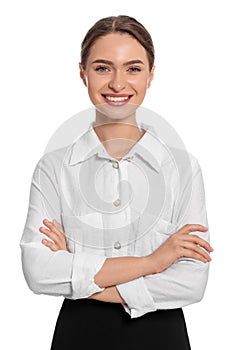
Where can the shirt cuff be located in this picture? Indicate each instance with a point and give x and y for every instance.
(85, 267)
(137, 297)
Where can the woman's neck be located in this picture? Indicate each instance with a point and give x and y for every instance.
(117, 136)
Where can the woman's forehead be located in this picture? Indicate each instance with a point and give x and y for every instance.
(117, 48)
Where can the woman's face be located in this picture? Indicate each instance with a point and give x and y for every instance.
(117, 71)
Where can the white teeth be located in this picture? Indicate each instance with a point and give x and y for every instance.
(117, 99)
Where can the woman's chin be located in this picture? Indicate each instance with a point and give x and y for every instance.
(117, 112)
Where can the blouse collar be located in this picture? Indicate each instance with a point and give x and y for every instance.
(149, 148)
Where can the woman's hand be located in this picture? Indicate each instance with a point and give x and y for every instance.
(54, 232)
(180, 244)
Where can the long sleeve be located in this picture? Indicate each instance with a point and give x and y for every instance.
(59, 273)
(184, 282)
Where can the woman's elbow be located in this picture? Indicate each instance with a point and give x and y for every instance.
(198, 294)
(32, 269)
(33, 276)
(197, 290)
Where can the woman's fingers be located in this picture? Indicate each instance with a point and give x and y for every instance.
(198, 240)
(196, 249)
(51, 225)
(187, 229)
(193, 227)
(53, 232)
(58, 226)
(49, 233)
(193, 255)
(56, 234)
(50, 245)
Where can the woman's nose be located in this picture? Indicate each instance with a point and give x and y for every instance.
(117, 82)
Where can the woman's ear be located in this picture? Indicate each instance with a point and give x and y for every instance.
(151, 77)
(82, 74)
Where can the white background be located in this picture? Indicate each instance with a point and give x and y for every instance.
(41, 88)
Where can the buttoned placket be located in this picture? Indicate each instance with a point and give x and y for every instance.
(120, 246)
(119, 242)
(117, 247)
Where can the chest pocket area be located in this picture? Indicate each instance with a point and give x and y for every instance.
(161, 231)
(84, 232)
(150, 240)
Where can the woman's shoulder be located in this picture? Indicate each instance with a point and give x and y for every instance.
(54, 158)
(181, 158)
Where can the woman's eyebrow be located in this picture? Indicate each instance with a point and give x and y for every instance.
(103, 61)
(133, 62)
(112, 63)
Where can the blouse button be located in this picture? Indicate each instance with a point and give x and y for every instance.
(115, 165)
(117, 245)
(117, 202)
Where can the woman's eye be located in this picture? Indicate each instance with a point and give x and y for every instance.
(134, 69)
(102, 69)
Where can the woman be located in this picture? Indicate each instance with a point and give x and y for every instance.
(126, 262)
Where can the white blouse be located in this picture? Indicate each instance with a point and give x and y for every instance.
(110, 208)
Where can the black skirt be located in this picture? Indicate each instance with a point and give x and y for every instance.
(93, 324)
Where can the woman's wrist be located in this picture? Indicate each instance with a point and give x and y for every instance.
(117, 270)
(148, 266)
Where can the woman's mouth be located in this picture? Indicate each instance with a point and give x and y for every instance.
(117, 99)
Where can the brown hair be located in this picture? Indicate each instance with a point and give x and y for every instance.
(118, 24)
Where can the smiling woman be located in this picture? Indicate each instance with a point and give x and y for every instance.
(125, 272)
(119, 75)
